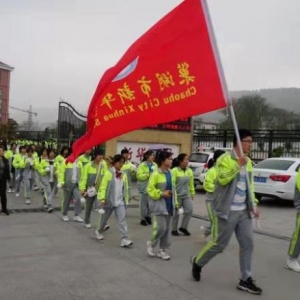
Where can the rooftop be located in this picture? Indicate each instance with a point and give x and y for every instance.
(4, 66)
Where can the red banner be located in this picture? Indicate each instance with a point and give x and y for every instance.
(167, 74)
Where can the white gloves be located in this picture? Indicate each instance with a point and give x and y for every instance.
(180, 211)
(31, 163)
(47, 169)
(59, 186)
(82, 200)
(101, 211)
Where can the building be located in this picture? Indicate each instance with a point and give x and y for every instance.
(4, 91)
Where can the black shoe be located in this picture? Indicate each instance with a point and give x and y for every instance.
(249, 286)
(175, 233)
(6, 212)
(184, 231)
(148, 220)
(144, 223)
(196, 270)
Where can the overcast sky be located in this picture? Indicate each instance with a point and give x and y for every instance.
(60, 48)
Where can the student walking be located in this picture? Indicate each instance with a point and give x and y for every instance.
(294, 249)
(19, 165)
(233, 201)
(43, 168)
(10, 155)
(29, 174)
(209, 187)
(185, 191)
(4, 179)
(129, 168)
(68, 179)
(145, 169)
(90, 182)
(162, 204)
(114, 197)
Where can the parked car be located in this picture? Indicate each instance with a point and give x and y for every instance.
(276, 178)
(199, 163)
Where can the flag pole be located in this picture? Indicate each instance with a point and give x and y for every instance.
(225, 90)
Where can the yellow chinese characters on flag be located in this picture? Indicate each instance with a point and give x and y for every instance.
(168, 74)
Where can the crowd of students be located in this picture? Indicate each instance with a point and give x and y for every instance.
(166, 189)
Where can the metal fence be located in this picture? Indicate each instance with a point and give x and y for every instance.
(71, 124)
(283, 143)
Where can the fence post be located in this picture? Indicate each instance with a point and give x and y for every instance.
(270, 150)
(225, 138)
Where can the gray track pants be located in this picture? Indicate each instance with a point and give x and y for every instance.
(161, 231)
(144, 206)
(294, 249)
(89, 203)
(222, 230)
(187, 205)
(120, 213)
(28, 182)
(68, 193)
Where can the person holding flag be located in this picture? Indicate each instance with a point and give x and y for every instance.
(294, 249)
(233, 204)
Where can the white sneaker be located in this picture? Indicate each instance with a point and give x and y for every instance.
(126, 243)
(66, 218)
(150, 249)
(163, 255)
(50, 210)
(292, 264)
(9, 191)
(27, 201)
(13, 191)
(36, 188)
(106, 227)
(77, 219)
(17, 195)
(88, 225)
(45, 206)
(99, 236)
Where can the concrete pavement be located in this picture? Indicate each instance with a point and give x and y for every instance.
(41, 257)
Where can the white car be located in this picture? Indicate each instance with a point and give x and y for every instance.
(198, 164)
(276, 178)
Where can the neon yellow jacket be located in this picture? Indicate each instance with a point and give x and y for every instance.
(210, 180)
(106, 191)
(225, 187)
(156, 186)
(184, 182)
(89, 174)
(19, 161)
(84, 159)
(40, 165)
(143, 174)
(66, 171)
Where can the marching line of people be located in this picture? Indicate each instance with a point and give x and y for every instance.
(166, 188)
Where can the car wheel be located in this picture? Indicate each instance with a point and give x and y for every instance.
(258, 197)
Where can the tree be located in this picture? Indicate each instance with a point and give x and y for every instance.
(9, 130)
(250, 112)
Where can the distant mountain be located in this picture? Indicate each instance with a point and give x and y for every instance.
(284, 98)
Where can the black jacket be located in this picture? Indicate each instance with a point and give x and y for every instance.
(5, 175)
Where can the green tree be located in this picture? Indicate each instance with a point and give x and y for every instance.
(250, 112)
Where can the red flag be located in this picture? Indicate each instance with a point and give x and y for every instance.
(167, 74)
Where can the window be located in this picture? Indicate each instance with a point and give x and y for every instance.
(199, 158)
(271, 164)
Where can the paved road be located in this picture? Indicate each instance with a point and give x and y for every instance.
(41, 257)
